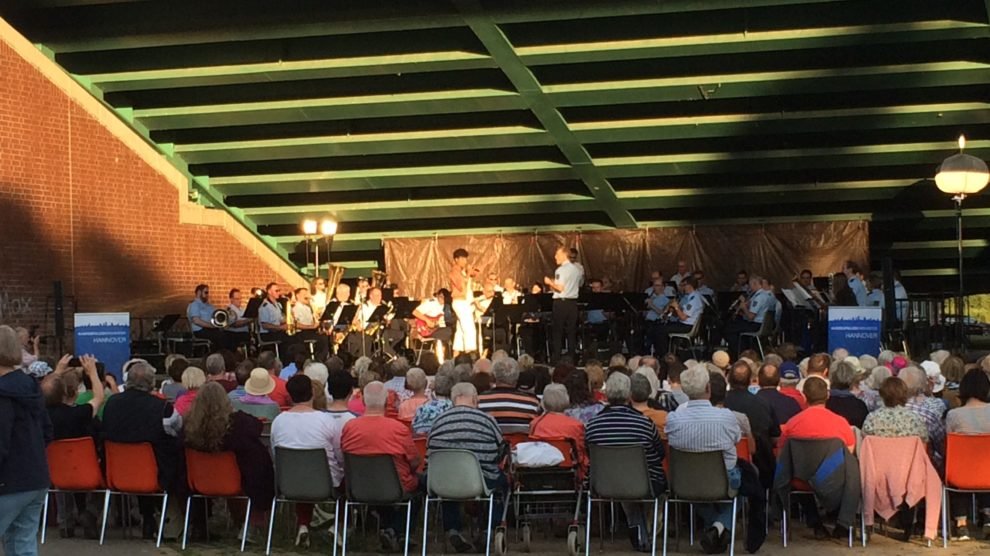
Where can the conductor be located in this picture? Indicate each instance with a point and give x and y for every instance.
(565, 283)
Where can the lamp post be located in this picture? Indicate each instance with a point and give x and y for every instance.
(961, 175)
(309, 230)
(328, 228)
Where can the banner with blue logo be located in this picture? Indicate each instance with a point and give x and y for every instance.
(106, 336)
(857, 329)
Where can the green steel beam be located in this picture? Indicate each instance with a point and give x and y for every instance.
(202, 76)
(390, 178)
(534, 229)
(374, 209)
(782, 159)
(865, 36)
(772, 83)
(341, 243)
(365, 144)
(547, 11)
(529, 88)
(335, 108)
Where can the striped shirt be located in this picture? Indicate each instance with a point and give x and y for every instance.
(466, 428)
(621, 425)
(698, 427)
(513, 410)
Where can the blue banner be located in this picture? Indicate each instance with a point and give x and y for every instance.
(857, 329)
(106, 336)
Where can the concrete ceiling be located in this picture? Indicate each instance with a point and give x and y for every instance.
(403, 118)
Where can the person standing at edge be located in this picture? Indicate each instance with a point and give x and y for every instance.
(565, 283)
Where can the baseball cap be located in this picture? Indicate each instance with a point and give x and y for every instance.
(789, 371)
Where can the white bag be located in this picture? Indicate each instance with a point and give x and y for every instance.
(537, 454)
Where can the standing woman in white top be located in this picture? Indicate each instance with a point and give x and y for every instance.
(565, 283)
(462, 303)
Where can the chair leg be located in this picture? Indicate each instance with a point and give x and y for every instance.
(336, 526)
(185, 523)
(247, 519)
(656, 507)
(783, 519)
(44, 517)
(732, 536)
(666, 519)
(343, 548)
(691, 524)
(488, 526)
(945, 519)
(587, 529)
(161, 521)
(408, 523)
(426, 520)
(106, 511)
(271, 525)
(862, 528)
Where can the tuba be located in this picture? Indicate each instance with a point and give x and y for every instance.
(221, 318)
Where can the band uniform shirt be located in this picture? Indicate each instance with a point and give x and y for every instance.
(237, 313)
(511, 297)
(900, 299)
(367, 309)
(678, 277)
(692, 306)
(303, 314)
(318, 301)
(570, 276)
(201, 310)
(432, 308)
(759, 303)
(269, 313)
(859, 290)
(660, 300)
(705, 290)
(597, 316)
(875, 299)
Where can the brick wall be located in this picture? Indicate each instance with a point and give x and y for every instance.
(80, 203)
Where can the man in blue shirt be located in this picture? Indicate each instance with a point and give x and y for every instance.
(656, 305)
(565, 283)
(854, 277)
(687, 313)
(751, 315)
(200, 315)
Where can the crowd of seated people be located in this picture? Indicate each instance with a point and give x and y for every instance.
(375, 407)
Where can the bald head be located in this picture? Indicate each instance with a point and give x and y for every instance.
(769, 376)
(740, 375)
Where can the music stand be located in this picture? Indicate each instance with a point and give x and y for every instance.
(346, 316)
(251, 311)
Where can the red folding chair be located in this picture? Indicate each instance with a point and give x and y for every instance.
(132, 469)
(73, 467)
(214, 475)
(967, 470)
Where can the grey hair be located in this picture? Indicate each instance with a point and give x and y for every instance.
(617, 360)
(555, 398)
(141, 377)
(375, 395)
(317, 371)
(617, 389)
(773, 359)
(639, 387)
(463, 390)
(526, 361)
(416, 379)
(463, 372)
(361, 365)
(886, 356)
(915, 379)
(843, 375)
(447, 365)
(694, 382)
(506, 371)
(215, 364)
(499, 355)
(443, 382)
(877, 376)
(867, 361)
(399, 366)
(651, 376)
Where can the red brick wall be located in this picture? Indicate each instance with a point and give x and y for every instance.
(78, 205)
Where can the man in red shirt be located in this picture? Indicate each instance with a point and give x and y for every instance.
(375, 434)
(790, 376)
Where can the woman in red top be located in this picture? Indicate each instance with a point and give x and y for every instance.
(553, 424)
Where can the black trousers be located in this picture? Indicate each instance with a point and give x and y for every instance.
(732, 332)
(322, 346)
(565, 318)
(217, 338)
(236, 339)
(533, 337)
(663, 336)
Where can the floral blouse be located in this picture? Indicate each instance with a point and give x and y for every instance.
(584, 413)
(427, 413)
(895, 422)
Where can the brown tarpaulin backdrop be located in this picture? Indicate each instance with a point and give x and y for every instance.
(420, 265)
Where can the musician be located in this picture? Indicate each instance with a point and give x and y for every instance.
(565, 283)
(656, 305)
(307, 327)
(492, 280)
(654, 276)
(686, 313)
(271, 318)
(536, 288)
(237, 325)
(854, 279)
(703, 289)
(900, 297)
(775, 305)
(875, 297)
(331, 315)
(572, 255)
(751, 313)
(366, 327)
(361, 295)
(510, 293)
(488, 328)
(742, 283)
(682, 272)
(599, 323)
(431, 322)
(200, 315)
(462, 298)
(318, 299)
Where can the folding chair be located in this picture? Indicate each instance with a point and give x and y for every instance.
(132, 469)
(620, 473)
(74, 468)
(699, 478)
(766, 331)
(374, 481)
(455, 475)
(302, 476)
(214, 476)
(967, 470)
(688, 339)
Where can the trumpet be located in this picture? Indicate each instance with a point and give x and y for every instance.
(737, 304)
(221, 318)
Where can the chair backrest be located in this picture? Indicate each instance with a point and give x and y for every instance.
(698, 326)
(303, 475)
(372, 479)
(698, 475)
(967, 466)
(213, 474)
(514, 438)
(73, 465)
(742, 450)
(420, 442)
(769, 323)
(620, 472)
(131, 467)
(455, 475)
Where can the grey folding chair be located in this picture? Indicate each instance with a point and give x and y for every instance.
(302, 476)
(687, 340)
(766, 331)
(455, 475)
(619, 473)
(699, 478)
(374, 481)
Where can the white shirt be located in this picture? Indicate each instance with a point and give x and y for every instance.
(678, 277)
(310, 430)
(660, 300)
(238, 314)
(318, 301)
(303, 314)
(570, 276)
(269, 313)
(511, 297)
(432, 308)
(367, 309)
(900, 299)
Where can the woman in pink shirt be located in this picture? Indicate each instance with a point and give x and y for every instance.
(192, 379)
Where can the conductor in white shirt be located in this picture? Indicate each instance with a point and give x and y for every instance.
(565, 283)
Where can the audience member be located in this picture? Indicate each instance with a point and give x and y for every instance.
(639, 392)
(553, 423)
(257, 400)
(761, 419)
(193, 378)
(319, 375)
(783, 406)
(869, 387)
(931, 410)
(216, 371)
(717, 389)
(818, 365)
(973, 417)
(173, 388)
(596, 379)
(841, 400)
(953, 368)
(513, 410)
(894, 419)
(427, 413)
(397, 369)
(297, 360)
(268, 361)
(584, 408)
(818, 421)
(790, 377)
(416, 383)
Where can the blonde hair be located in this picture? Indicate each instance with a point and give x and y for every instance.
(208, 420)
(10, 347)
(193, 378)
